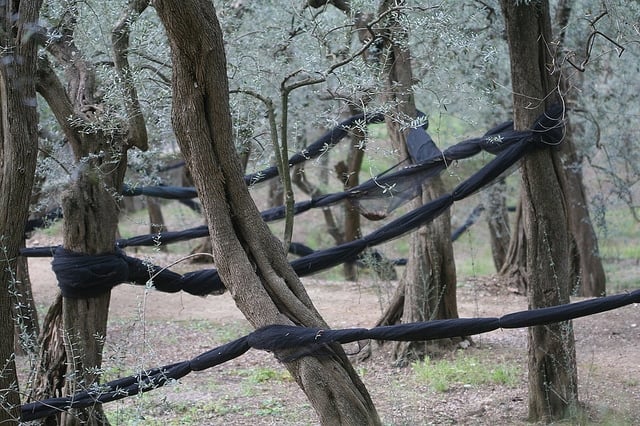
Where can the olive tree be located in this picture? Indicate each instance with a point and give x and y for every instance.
(251, 261)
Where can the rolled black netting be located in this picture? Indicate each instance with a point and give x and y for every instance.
(324, 259)
(81, 275)
(304, 341)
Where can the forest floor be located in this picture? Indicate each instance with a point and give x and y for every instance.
(149, 329)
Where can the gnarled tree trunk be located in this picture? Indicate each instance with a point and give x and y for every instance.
(90, 209)
(250, 259)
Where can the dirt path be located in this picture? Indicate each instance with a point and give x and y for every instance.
(149, 329)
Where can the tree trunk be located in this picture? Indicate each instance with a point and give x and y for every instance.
(251, 261)
(50, 371)
(588, 278)
(514, 267)
(430, 275)
(552, 369)
(498, 221)
(156, 220)
(18, 153)
(24, 311)
(351, 178)
(90, 210)
(90, 224)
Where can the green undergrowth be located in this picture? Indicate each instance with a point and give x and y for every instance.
(465, 370)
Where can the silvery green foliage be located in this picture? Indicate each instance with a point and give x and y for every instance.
(271, 45)
(453, 49)
(151, 72)
(607, 105)
(460, 61)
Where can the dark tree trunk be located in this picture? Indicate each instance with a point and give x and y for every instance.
(350, 178)
(18, 153)
(553, 392)
(250, 259)
(429, 281)
(49, 374)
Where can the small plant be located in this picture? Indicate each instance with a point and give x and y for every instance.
(265, 374)
(443, 374)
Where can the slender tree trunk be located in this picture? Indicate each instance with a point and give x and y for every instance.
(156, 220)
(250, 259)
(498, 221)
(514, 267)
(18, 153)
(351, 178)
(430, 275)
(24, 311)
(553, 392)
(588, 277)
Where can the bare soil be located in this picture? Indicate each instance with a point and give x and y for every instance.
(149, 329)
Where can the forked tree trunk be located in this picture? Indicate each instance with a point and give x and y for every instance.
(250, 259)
(90, 210)
(553, 392)
(18, 153)
(429, 281)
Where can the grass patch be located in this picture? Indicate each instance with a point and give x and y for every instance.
(444, 374)
(265, 374)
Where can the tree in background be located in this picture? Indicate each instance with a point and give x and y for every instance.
(427, 289)
(553, 390)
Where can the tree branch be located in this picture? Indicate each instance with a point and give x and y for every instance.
(137, 130)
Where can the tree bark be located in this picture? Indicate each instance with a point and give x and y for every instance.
(514, 267)
(429, 281)
(251, 261)
(18, 154)
(553, 392)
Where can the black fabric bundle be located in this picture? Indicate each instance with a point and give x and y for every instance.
(305, 341)
(81, 275)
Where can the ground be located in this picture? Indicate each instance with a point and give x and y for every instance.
(149, 329)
